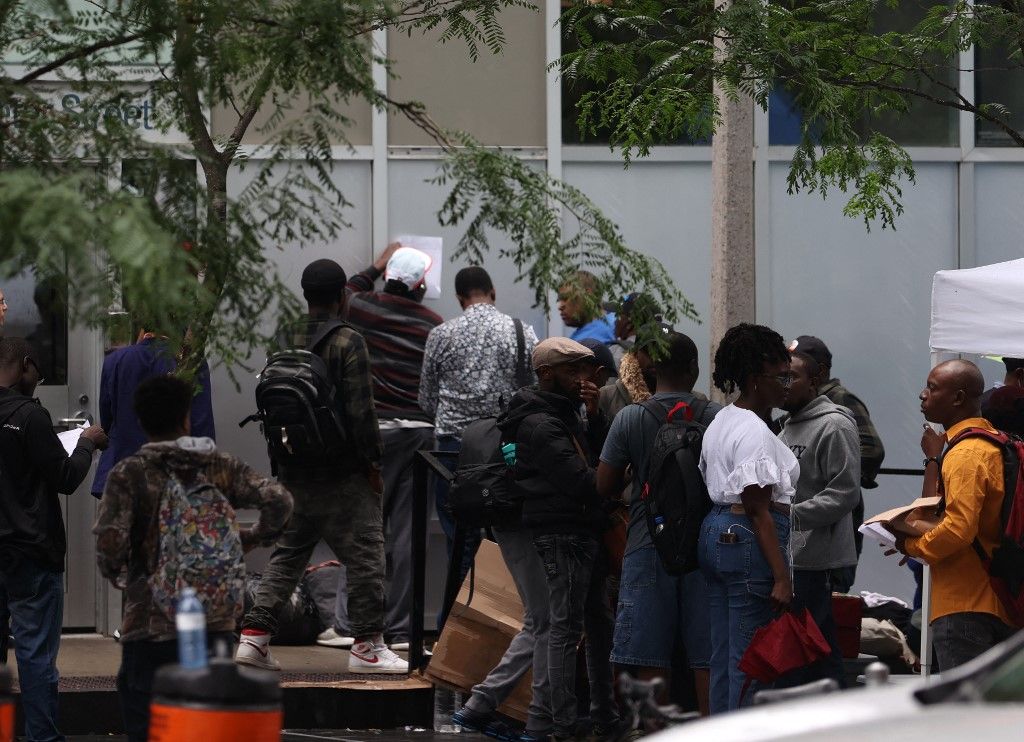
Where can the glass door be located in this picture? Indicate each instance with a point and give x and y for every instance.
(68, 361)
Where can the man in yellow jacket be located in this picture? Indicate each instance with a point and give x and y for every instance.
(967, 617)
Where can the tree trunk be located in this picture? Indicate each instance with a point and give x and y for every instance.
(732, 217)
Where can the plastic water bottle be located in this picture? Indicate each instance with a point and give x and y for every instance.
(190, 620)
(446, 702)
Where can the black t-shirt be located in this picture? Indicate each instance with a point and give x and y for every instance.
(34, 469)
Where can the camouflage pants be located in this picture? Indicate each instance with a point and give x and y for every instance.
(346, 514)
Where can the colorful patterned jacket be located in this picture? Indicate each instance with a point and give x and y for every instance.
(127, 528)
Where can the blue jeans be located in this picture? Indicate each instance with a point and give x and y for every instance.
(35, 599)
(739, 584)
(657, 610)
(568, 561)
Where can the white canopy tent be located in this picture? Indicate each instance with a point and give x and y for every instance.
(978, 311)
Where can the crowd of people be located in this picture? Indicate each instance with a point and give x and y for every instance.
(579, 417)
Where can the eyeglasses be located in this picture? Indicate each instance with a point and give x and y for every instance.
(30, 359)
(786, 380)
(3, 303)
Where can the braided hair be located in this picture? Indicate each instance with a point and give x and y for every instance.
(743, 352)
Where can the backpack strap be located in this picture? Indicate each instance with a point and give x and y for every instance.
(326, 328)
(663, 413)
(522, 376)
(996, 438)
(656, 408)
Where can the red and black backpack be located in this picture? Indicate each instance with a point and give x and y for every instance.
(1005, 565)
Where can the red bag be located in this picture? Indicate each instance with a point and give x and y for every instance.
(790, 641)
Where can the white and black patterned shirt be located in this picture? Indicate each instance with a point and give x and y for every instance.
(469, 367)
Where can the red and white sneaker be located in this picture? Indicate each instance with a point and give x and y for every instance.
(254, 650)
(375, 657)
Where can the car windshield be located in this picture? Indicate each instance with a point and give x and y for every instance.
(1006, 684)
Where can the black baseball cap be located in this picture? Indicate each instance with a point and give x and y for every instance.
(602, 355)
(323, 275)
(814, 347)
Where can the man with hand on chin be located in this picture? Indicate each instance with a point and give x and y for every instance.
(967, 618)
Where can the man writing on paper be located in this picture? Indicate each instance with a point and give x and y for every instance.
(967, 617)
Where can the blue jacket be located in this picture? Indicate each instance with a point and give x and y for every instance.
(123, 370)
(601, 329)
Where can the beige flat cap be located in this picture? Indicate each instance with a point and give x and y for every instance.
(555, 351)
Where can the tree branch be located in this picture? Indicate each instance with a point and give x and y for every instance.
(184, 62)
(960, 105)
(81, 53)
(252, 106)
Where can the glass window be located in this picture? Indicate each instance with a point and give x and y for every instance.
(574, 90)
(923, 124)
(36, 309)
(498, 99)
(999, 78)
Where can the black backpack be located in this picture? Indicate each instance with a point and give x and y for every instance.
(675, 497)
(295, 405)
(483, 492)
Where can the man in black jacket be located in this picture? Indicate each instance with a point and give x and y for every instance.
(34, 469)
(560, 502)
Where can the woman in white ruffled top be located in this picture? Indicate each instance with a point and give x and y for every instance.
(751, 476)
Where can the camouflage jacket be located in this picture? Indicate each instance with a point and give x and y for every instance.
(872, 452)
(127, 527)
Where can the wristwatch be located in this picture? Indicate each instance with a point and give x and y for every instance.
(931, 458)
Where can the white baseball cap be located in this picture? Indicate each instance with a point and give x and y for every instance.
(409, 266)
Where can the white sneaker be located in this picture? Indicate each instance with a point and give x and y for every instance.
(255, 652)
(400, 646)
(376, 658)
(331, 638)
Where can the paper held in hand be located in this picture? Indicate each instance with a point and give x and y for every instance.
(914, 519)
(69, 439)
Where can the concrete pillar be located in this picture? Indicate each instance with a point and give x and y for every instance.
(732, 217)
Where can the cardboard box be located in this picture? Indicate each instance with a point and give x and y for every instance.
(486, 615)
(914, 519)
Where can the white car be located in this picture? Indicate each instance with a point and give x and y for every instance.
(982, 701)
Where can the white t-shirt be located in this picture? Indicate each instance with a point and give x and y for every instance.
(739, 450)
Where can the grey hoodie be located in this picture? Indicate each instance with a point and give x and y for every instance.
(824, 438)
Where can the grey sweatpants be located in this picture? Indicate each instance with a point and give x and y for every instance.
(529, 648)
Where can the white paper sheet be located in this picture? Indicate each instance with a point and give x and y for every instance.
(69, 439)
(432, 246)
(881, 534)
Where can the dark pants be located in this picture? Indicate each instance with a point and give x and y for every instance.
(599, 625)
(811, 590)
(5, 626)
(568, 562)
(139, 662)
(346, 514)
(843, 577)
(35, 599)
(452, 444)
(400, 447)
(959, 638)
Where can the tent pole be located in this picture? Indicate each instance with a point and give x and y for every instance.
(926, 592)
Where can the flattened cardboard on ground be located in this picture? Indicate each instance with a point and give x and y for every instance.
(479, 629)
(912, 520)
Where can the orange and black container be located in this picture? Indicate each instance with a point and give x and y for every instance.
(6, 707)
(219, 703)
